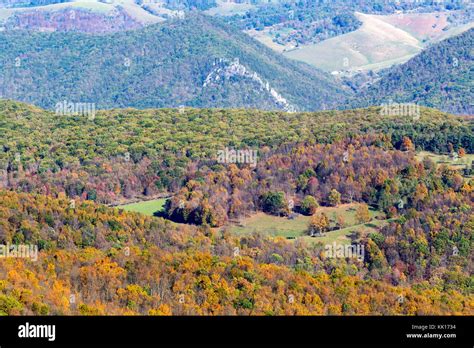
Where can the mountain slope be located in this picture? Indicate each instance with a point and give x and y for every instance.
(381, 42)
(375, 42)
(158, 66)
(151, 151)
(441, 76)
(80, 16)
(117, 263)
(121, 263)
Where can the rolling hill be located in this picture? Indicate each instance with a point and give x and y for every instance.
(382, 41)
(91, 17)
(195, 62)
(149, 152)
(441, 76)
(114, 262)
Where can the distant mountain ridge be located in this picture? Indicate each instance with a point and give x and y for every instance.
(200, 61)
(441, 76)
(162, 65)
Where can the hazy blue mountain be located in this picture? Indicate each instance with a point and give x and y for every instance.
(197, 61)
(441, 76)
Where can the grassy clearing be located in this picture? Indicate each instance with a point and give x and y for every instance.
(459, 164)
(297, 228)
(145, 207)
(343, 236)
(376, 44)
(381, 42)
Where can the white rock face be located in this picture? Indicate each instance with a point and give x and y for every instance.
(224, 69)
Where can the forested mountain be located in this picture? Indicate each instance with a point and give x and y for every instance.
(28, 3)
(194, 62)
(303, 22)
(129, 153)
(441, 76)
(94, 259)
(242, 189)
(201, 61)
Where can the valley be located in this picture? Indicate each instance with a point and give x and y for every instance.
(318, 55)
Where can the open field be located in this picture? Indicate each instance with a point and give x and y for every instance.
(381, 41)
(438, 159)
(266, 38)
(297, 228)
(426, 27)
(423, 26)
(343, 236)
(376, 41)
(145, 207)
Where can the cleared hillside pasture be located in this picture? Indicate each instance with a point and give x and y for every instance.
(382, 41)
(453, 162)
(145, 207)
(440, 76)
(293, 229)
(376, 41)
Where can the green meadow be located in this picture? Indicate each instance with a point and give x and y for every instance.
(145, 207)
(296, 228)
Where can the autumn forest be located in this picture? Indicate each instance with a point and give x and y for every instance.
(356, 174)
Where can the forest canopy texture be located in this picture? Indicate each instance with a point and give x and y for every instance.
(60, 174)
